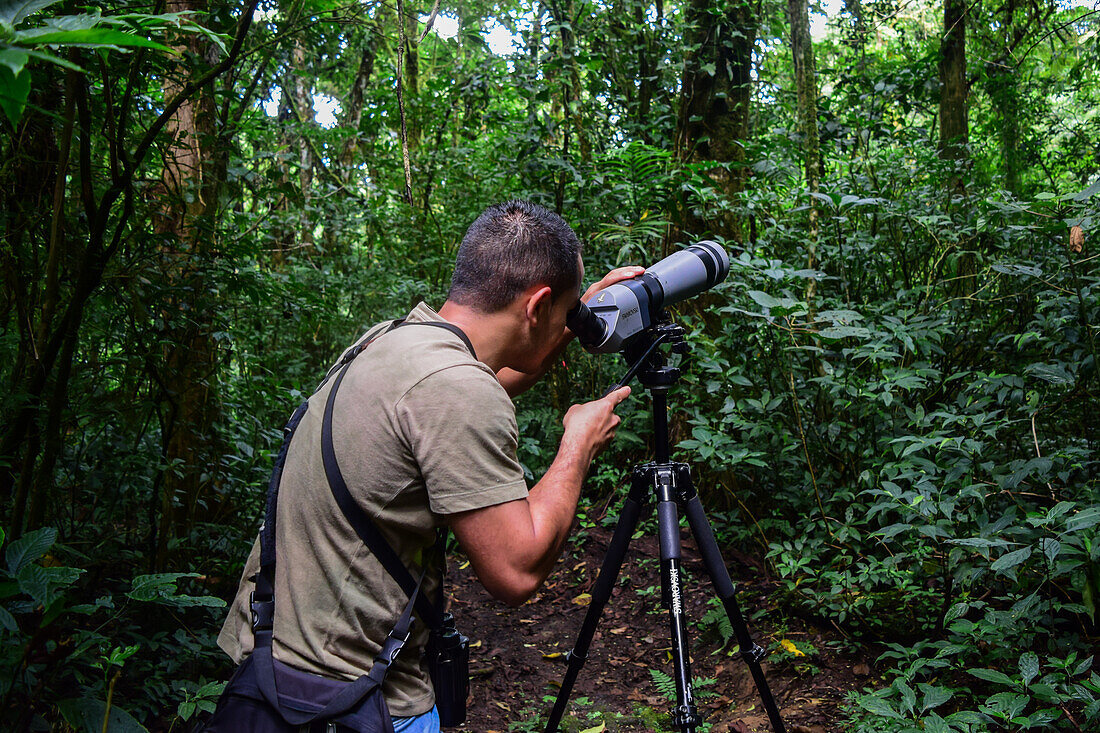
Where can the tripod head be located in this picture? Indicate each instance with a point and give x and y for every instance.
(647, 361)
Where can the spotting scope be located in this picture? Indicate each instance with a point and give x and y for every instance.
(614, 314)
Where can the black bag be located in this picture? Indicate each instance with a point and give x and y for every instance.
(243, 708)
(265, 695)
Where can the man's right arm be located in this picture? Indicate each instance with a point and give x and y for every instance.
(513, 546)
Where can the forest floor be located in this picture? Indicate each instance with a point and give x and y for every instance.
(517, 655)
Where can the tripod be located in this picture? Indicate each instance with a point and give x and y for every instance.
(671, 484)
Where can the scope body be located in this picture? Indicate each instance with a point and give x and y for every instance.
(613, 315)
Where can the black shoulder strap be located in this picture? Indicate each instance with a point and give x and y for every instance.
(364, 527)
(263, 601)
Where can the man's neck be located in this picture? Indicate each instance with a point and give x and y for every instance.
(490, 334)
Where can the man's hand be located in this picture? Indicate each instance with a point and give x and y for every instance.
(617, 275)
(592, 425)
(514, 546)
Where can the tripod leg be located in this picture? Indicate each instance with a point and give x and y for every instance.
(751, 652)
(685, 716)
(601, 593)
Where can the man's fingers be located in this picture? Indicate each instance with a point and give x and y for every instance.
(617, 396)
(617, 275)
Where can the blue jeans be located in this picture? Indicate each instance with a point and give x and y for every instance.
(426, 723)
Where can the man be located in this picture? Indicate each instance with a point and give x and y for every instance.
(425, 434)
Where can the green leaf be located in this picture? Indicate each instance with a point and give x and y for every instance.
(908, 696)
(7, 620)
(44, 585)
(935, 724)
(1007, 563)
(992, 675)
(161, 588)
(13, 12)
(186, 709)
(90, 37)
(157, 586)
(979, 542)
(29, 547)
(14, 91)
(1050, 547)
(957, 610)
(878, 706)
(968, 717)
(1089, 192)
(14, 59)
(934, 696)
(840, 332)
(1053, 373)
(86, 715)
(1029, 667)
(764, 299)
(1083, 519)
(1008, 704)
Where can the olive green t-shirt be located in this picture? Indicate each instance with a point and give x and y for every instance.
(421, 429)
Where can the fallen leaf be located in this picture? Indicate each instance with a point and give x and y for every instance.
(583, 599)
(790, 647)
(598, 729)
(553, 655)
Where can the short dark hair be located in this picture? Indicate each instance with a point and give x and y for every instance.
(509, 248)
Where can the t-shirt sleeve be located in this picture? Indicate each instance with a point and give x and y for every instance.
(461, 428)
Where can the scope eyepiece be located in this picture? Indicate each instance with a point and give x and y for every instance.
(588, 328)
(616, 313)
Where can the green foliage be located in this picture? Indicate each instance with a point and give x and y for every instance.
(21, 45)
(37, 603)
(910, 444)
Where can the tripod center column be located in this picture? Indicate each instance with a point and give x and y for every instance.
(660, 424)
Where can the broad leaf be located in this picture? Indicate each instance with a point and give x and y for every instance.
(878, 706)
(1007, 562)
(29, 547)
(14, 91)
(86, 715)
(764, 299)
(90, 37)
(992, 675)
(13, 12)
(1029, 667)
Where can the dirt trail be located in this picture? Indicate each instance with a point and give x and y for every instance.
(518, 654)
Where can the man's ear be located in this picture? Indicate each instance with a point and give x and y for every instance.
(539, 303)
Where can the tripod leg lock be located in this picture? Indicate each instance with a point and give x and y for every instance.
(572, 654)
(686, 717)
(754, 654)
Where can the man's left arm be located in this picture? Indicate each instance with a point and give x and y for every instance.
(516, 383)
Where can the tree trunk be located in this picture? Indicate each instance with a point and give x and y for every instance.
(190, 358)
(1006, 95)
(954, 130)
(716, 90)
(806, 82)
(301, 96)
(352, 113)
